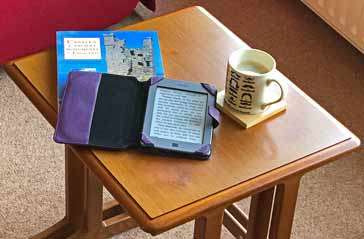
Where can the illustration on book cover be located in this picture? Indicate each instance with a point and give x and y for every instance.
(128, 53)
(122, 60)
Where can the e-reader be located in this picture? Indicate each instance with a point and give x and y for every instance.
(180, 117)
(118, 112)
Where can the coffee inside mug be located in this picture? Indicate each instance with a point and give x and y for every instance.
(252, 62)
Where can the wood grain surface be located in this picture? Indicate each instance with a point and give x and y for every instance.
(198, 51)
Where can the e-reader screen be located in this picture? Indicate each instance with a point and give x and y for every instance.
(179, 115)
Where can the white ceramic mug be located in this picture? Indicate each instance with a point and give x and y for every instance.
(249, 75)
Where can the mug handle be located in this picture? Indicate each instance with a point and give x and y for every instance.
(270, 81)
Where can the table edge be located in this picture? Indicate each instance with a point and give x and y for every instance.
(36, 97)
(221, 199)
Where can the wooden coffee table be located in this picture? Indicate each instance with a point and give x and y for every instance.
(159, 193)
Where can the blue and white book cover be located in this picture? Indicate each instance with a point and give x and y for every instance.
(130, 53)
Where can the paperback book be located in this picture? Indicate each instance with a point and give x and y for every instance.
(128, 53)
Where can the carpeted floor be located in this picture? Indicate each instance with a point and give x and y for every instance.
(308, 51)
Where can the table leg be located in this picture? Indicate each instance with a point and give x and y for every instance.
(284, 207)
(260, 214)
(209, 225)
(94, 203)
(85, 216)
(236, 221)
(91, 226)
(75, 196)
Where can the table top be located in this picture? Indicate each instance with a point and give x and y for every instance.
(163, 191)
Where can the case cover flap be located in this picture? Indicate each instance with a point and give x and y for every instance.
(102, 110)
